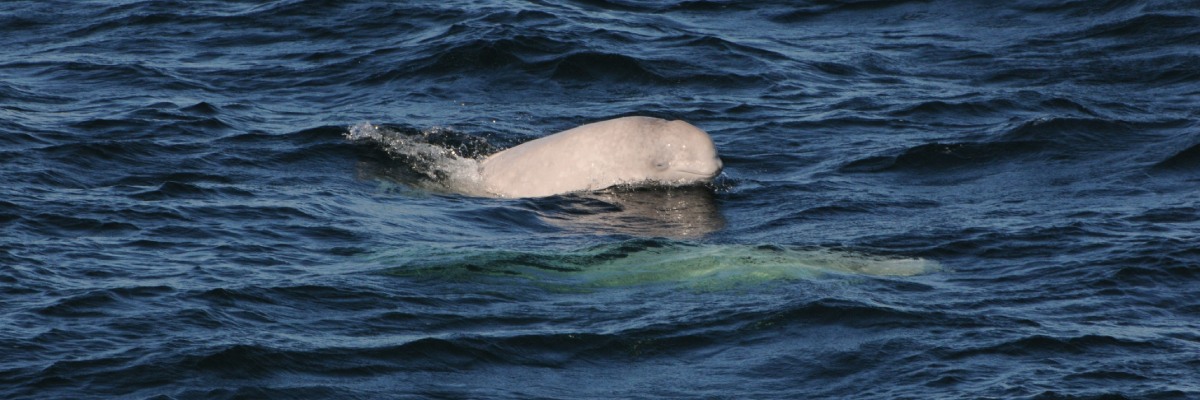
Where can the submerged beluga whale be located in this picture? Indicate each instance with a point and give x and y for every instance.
(599, 155)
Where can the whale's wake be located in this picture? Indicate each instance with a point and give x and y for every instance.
(436, 159)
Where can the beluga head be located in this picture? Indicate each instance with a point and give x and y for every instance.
(625, 151)
(680, 153)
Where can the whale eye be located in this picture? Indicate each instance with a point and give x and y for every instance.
(661, 165)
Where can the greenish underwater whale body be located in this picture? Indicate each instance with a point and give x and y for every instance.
(643, 261)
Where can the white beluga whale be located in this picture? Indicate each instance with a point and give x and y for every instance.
(600, 155)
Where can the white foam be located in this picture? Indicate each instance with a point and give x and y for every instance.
(442, 166)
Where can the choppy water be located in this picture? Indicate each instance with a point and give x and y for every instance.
(921, 199)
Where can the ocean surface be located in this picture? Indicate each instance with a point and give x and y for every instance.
(921, 199)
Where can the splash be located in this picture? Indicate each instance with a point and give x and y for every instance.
(430, 159)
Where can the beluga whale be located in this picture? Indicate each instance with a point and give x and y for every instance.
(630, 151)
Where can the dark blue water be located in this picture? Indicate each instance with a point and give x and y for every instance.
(921, 199)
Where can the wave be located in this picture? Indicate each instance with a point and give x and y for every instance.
(57, 225)
(941, 156)
(593, 66)
(1076, 133)
(1155, 26)
(958, 110)
(806, 10)
(459, 346)
(180, 190)
(526, 57)
(1063, 139)
(1042, 345)
(1186, 159)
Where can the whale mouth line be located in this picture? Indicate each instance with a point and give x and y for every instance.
(705, 174)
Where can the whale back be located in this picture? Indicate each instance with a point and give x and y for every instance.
(622, 151)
